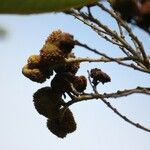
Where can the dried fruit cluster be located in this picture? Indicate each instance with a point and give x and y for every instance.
(48, 103)
(48, 100)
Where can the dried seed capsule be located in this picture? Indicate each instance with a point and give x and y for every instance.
(47, 102)
(71, 67)
(35, 75)
(52, 55)
(80, 83)
(64, 41)
(61, 82)
(68, 121)
(55, 127)
(54, 36)
(68, 67)
(34, 61)
(99, 76)
(47, 71)
(62, 126)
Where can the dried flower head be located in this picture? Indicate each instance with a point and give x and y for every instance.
(62, 126)
(47, 102)
(56, 128)
(34, 61)
(52, 55)
(46, 70)
(61, 82)
(35, 75)
(68, 121)
(72, 67)
(80, 83)
(54, 36)
(99, 76)
(64, 41)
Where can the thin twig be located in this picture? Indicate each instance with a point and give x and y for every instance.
(112, 59)
(133, 37)
(101, 59)
(118, 94)
(97, 96)
(104, 27)
(124, 117)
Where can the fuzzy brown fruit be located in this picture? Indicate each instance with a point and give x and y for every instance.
(61, 82)
(80, 83)
(72, 67)
(47, 102)
(35, 74)
(99, 76)
(62, 126)
(64, 41)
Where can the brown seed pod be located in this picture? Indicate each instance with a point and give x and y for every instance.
(99, 76)
(64, 41)
(62, 126)
(34, 61)
(55, 127)
(51, 55)
(80, 83)
(35, 75)
(61, 82)
(72, 67)
(48, 72)
(68, 121)
(54, 36)
(47, 102)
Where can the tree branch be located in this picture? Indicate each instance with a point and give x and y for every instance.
(128, 29)
(124, 117)
(113, 59)
(97, 96)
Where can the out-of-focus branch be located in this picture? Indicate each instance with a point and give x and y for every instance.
(3, 33)
(41, 6)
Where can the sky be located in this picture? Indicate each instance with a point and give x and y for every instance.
(22, 128)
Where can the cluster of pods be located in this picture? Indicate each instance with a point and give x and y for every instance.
(49, 101)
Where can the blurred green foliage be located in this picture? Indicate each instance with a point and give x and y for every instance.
(41, 6)
(3, 32)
